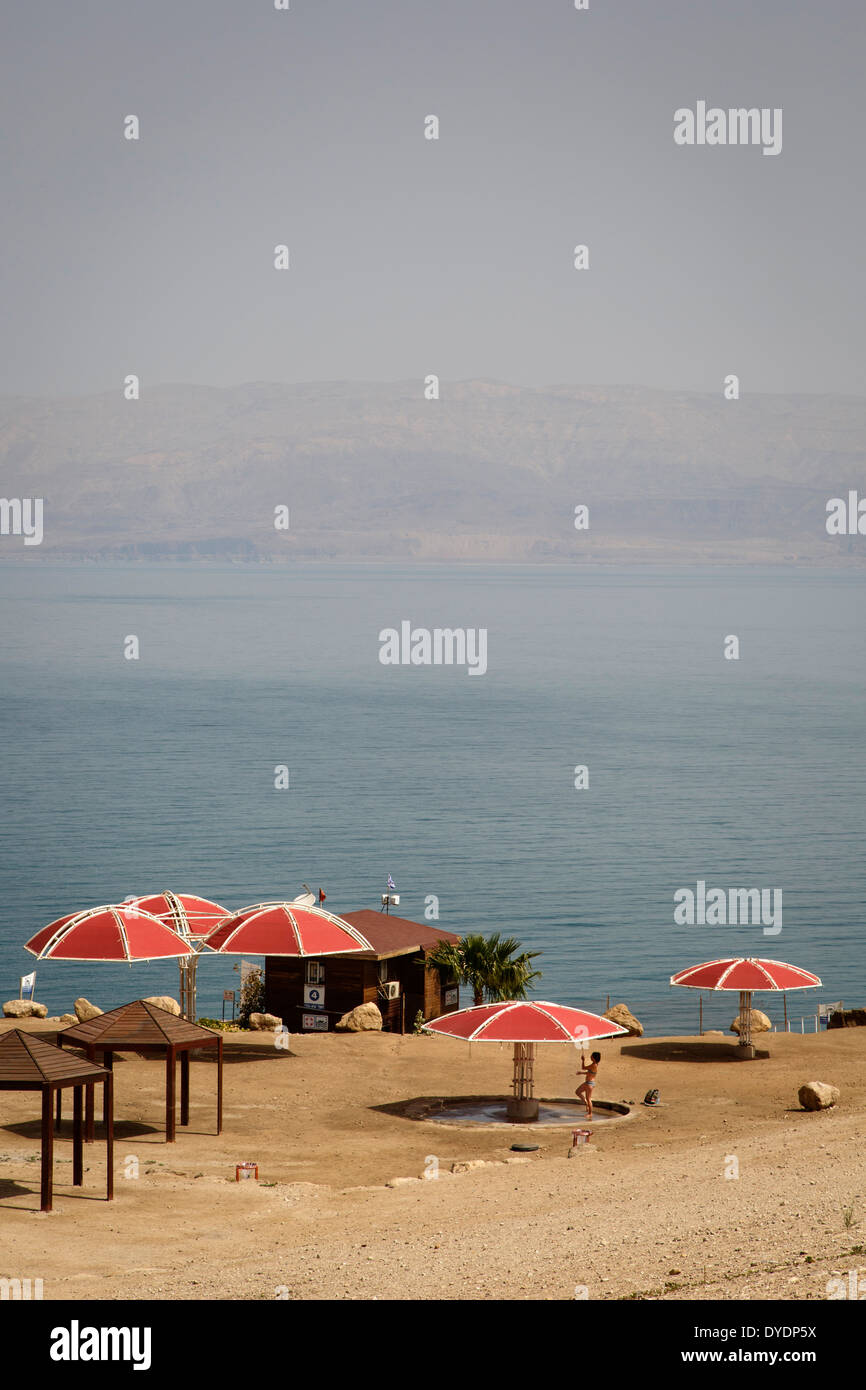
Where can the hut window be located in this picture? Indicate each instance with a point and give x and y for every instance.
(315, 973)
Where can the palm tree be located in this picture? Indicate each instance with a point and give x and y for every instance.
(489, 966)
(511, 974)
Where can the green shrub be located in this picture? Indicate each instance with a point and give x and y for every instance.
(252, 996)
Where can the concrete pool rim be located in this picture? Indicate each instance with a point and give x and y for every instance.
(426, 1110)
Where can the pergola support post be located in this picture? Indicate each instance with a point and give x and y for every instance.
(77, 1137)
(89, 1106)
(184, 1086)
(109, 1137)
(108, 1063)
(47, 1175)
(219, 1085)
(170, 1083)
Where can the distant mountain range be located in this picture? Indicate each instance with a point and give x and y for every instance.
(490, 472)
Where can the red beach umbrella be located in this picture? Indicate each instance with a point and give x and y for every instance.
(524, 1020)
(186, 912)
(112, 933)
(193, 917)
(285, 929)
(524, 1023)
(746, 974)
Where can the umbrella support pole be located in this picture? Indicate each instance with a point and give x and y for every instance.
(186, 966)
(522, 1106)
(745, 1051)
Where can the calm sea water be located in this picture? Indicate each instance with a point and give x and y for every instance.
(127, 776)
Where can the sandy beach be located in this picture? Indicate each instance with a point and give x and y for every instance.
(643, 1211)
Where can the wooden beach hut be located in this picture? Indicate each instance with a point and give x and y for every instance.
(312, 995)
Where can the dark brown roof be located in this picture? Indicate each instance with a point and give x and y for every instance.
(395, 936)
(28, 1060)
(137, 1024)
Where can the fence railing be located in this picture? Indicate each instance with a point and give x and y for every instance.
(694, 1012)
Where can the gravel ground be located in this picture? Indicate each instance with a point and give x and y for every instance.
(644, 1211)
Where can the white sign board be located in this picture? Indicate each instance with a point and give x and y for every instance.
(317, 1022)
(314, 996)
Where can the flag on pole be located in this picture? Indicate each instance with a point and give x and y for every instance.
(391, 883)
(27, 986)
(322, 896)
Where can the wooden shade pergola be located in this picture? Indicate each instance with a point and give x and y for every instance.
(29, 1063)
(145, 1028)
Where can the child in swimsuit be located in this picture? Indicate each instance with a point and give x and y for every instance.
(586, 1088)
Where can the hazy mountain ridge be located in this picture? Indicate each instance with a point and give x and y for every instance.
(489, 471)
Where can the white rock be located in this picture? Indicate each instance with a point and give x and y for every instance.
(24, 1008)
(84, 1010)
(622, 1014)
(164, 1001)
(760, 1022)
(366, 1018)
(818, 1095)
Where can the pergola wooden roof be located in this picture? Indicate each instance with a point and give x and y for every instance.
(144, 1027)
(147, 1023)
(29, 1063)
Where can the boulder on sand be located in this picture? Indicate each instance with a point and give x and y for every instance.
(24, 1008)
(622, 1014)
(760, 1022)
(363, 1019)
(265, 1023)
(84, 1010)
(817, 1095)
(164, 1001)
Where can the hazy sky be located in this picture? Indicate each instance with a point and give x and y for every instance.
(411, 256)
